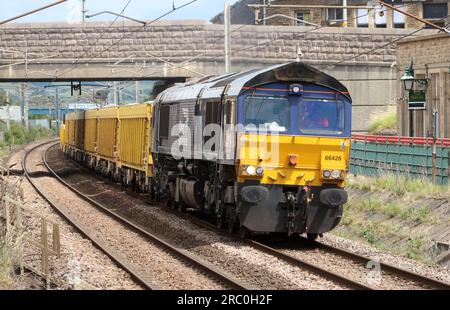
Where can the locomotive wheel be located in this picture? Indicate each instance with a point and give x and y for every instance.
(244, 232)
(232, 226)
(312, 237)
(220, 222)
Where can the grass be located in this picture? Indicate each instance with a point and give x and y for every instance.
(394, 213)
(421, 214)
(390, 210)
(384, 121)
(9, 253)
(370, 232)
(400, 185)
(414, 248)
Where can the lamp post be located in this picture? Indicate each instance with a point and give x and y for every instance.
(408, 84)
(417, 100)
(416, 89)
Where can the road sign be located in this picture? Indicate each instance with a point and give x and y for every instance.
(417, 100)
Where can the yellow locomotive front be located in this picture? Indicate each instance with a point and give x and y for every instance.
(293, 155)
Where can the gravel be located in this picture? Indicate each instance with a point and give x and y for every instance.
(436, 272)
(258, 269)
(164, 270)
(80, 261)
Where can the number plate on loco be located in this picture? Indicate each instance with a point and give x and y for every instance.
(332, 159)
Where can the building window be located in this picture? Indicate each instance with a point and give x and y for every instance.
(380, 17)
(399, 18)
(303, 15)
(435, 10)
(335, 15)
(363, 18)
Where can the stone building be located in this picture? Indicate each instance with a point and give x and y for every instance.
(361, 13)
(431, 60)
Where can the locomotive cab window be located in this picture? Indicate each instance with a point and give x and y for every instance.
(164, 115)
(322, 115)
(269, 113)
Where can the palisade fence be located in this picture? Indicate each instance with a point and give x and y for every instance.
(412, 157)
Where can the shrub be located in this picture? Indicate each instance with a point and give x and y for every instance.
(385, 122)
(18, 134)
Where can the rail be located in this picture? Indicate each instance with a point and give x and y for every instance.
(181, 253)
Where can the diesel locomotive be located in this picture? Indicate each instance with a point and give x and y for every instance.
(262, 151)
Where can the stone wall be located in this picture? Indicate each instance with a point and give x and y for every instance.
(178, 42)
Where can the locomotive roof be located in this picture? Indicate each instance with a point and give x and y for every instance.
(213, 87)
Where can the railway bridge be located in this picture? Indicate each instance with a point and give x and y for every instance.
(177, 50)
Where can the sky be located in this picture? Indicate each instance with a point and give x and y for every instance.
(139, 9)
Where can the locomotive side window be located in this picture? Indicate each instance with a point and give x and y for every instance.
(212, 112)
(229, 112)
(212, 116)
(271, 113)
(164, 115)
(322, 115)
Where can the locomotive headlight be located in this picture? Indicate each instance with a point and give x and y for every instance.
(336, 174)
(260, 171)
(326, 174)
(250, 170)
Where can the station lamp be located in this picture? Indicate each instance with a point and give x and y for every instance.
(408, 78)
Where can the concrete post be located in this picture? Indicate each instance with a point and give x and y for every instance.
(137, 91)
(226, 22)
(8, 124)
(57, 108)
(116, 99)
(83, 10)
(23, 106)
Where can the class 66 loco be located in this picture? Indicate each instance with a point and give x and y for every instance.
(262, 151)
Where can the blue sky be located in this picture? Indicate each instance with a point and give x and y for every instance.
(140, 9)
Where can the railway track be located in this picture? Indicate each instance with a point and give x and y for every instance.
(147, 283)
(384, 267)
(305, 264)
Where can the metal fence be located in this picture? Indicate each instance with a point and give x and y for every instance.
(373, 155)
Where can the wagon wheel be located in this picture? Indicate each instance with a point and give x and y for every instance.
(181, 207)
(312, 237)
(221, 219)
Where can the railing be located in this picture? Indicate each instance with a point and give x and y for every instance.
(372, 155)
(47, 242)
(4, 171)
